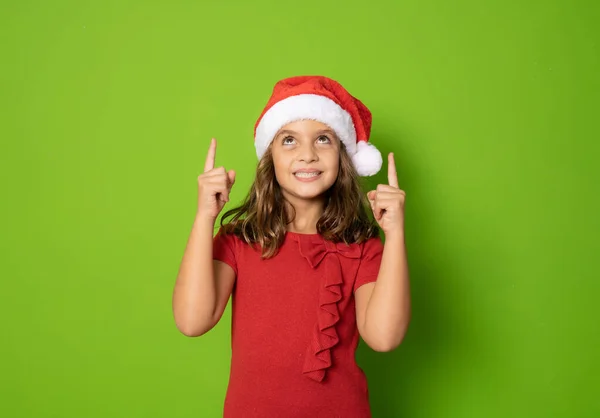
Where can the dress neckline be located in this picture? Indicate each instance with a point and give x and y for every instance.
(300, 234)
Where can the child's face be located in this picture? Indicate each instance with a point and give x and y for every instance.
(305, 146)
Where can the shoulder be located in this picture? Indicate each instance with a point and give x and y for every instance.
(222, 234)
(227, 237)
(372, 247)
(229, 232)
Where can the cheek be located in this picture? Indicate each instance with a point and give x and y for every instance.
(281, 165)
(333, 160)
(333, 163)
(278, 172)
(335, 174)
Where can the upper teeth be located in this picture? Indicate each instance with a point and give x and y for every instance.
(303, 174)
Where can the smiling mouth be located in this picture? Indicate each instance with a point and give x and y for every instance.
(305, 175)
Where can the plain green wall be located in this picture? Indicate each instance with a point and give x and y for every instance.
(107, 110)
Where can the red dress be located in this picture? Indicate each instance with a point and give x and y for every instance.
(294, 331)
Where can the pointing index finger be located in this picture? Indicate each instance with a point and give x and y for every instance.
(392, 175)
(209, 164)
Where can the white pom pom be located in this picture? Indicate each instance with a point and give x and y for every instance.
(367, 159)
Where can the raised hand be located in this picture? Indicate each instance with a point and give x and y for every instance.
(387, 202)
(214, 185)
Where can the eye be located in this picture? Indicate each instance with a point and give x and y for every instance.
(324, 137)
(286, 138)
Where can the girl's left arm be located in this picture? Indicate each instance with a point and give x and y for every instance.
(383, 308)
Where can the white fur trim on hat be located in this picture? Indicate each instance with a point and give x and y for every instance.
(305, 106)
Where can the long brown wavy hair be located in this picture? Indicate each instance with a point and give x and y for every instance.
(262, 217)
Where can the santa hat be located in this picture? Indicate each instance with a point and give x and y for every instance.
(327, 101)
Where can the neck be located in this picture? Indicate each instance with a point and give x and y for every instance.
(307, 213)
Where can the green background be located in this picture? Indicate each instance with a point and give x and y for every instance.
(107, 109)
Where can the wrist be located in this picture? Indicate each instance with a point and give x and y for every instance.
(205, 219)
(396, 234)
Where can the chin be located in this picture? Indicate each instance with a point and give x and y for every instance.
(308, 193)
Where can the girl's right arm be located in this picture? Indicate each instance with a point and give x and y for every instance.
(203, 285)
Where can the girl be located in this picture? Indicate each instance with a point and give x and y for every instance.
(306, 268)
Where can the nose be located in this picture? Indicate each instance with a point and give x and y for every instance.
(307, 153)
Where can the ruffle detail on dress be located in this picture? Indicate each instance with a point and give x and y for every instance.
(316, 250)
(325, 337)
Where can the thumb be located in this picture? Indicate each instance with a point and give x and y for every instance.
(231, 177)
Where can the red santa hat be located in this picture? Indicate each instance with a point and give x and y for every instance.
(327, 101)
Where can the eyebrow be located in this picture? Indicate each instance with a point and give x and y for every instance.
(322, 131)
(326, 131)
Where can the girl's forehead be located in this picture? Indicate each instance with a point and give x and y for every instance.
(306, 128)
(305, 125)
